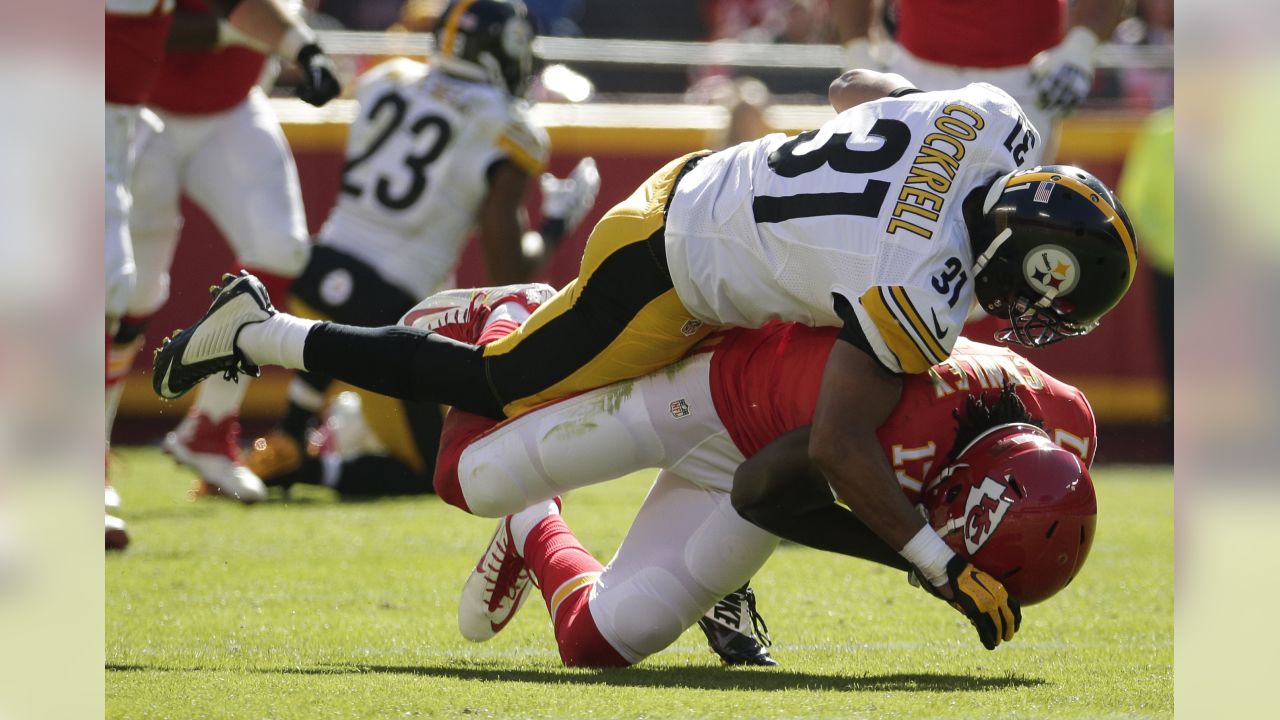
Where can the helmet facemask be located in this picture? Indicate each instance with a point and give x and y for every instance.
(1036, 327)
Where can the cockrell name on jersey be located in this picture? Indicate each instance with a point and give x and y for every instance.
(920, 202)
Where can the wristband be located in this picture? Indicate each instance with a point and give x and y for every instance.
(295, 38)
(929, 554)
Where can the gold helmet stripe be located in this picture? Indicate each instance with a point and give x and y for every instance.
(1108, 210)
(450, 34)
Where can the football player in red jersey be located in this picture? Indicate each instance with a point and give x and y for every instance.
(135, 33)
(700, 421)
(1035, 50)
(220, 143)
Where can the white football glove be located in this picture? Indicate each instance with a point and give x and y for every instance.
(568, 200)
(1063, 74)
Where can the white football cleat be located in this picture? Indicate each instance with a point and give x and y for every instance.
(212, 450)
(209, 346)
(495, 590)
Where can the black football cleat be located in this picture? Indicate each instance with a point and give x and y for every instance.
(209, 346)
(736, 632)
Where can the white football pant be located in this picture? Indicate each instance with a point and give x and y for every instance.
(121, 122)
(687, 547)
(236, 165)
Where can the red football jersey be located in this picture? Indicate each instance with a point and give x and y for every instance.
(135, 34)
(765, 383)
(200, 82)
(980, 33)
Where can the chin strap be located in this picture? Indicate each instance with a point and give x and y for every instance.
(990, 252)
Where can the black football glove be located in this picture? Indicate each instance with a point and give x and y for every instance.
(982, 599)
(319, 81)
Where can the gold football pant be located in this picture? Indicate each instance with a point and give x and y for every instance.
(619, 319)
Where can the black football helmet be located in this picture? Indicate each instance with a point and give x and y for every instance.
(1060, 253)
(486, 41)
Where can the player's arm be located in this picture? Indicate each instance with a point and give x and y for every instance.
(780, 490)
(857, 395)
(1100, 16)
(511, 251)
(269, 24)
(502, 222)
(853, 19)
(1064, 72)
(860, 85)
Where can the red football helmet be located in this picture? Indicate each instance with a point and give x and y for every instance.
(1018, 507)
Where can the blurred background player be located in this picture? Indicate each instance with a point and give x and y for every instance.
(1147, 184)
(435, 151)
(222, 146)
(135, 36)
(1038, 51)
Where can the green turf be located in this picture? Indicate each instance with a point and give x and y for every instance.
(319, 609)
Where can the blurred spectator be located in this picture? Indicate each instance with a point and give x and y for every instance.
(768, 21)
(1141, 87)
(418, 16)
(1146, 186)
(650, 20)
(557, 17)
(1032, 49)
(362, 14)
(745, 99)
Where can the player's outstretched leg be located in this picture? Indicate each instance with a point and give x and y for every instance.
(242, 331)
(209, 346)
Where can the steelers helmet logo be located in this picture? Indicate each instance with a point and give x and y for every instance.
(336, 287)
(1051, 267)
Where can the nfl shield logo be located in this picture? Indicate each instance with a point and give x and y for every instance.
(690, 327)
(679, 409)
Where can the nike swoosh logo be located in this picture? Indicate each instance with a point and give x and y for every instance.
(978, 581)
(515, 604)
(164, 382)
(937, 328)
(414, 316)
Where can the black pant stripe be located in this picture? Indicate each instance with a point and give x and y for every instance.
(623, 284)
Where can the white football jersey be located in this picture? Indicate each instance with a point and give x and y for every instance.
(867, 207)
(416, 164)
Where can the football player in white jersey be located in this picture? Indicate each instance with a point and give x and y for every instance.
(435, 150)
(889, 221)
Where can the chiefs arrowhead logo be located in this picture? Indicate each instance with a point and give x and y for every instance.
(983, 510)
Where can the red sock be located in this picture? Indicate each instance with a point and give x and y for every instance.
(277, 285)
(566, 572)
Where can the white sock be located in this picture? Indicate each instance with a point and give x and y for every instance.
(330, 470)
(279, 340)
(523, 522)
(219, 397)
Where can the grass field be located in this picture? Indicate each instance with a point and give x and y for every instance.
(320, 609)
